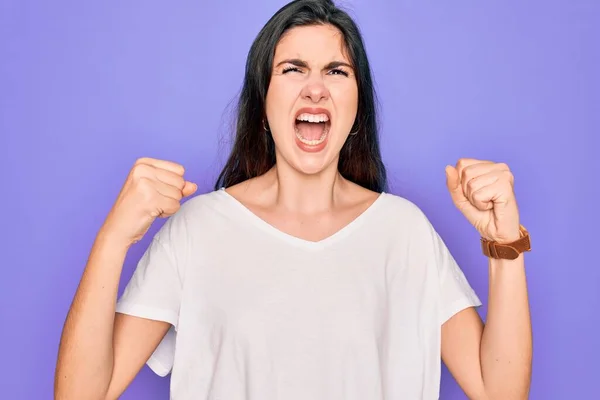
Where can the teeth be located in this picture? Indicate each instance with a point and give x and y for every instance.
(312, 117)
(313, 142)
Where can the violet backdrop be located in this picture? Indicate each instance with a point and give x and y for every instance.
(87, 87)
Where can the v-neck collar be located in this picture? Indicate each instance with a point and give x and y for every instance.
(294, 240)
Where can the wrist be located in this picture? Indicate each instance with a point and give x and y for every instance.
(509, 237)
(508, 233)
(110, 238)
(508, 246)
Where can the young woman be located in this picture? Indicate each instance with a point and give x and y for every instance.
(299, 277)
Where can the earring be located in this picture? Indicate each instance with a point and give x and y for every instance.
(265, 126)
(355, 131)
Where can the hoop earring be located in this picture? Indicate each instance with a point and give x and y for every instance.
(355, 132)
(265, 127)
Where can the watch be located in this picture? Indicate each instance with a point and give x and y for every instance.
(507, 251)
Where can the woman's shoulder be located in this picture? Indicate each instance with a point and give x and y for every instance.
(401, 206)
(404, 214)
(201, 203)
(198, 214)
(196, 208)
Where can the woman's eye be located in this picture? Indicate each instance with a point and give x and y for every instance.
(335, 71)
(338, 72)
(290, 69)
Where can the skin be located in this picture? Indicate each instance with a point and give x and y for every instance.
(303, 195)
(102, 351)
(491, 361)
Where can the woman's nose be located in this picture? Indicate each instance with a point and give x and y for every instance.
(315, 90)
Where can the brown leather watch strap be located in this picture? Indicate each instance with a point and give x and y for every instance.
(507, 251)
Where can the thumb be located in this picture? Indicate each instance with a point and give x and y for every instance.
(454, 186)
(189, 188)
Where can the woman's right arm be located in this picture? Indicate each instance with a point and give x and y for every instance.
(101, 351)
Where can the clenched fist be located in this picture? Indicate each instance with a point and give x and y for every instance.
(154, 188)
(483, 192)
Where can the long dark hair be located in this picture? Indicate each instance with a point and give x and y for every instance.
(253, 151)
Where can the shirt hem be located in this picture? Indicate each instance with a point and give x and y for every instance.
(459, 305)
(155, 314)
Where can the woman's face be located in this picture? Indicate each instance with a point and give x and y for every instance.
(312, 99)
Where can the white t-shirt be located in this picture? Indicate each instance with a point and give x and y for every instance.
(258, 314)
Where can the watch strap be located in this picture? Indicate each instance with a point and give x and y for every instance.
(507, 251)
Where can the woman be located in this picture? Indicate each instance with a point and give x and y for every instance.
(299, 277)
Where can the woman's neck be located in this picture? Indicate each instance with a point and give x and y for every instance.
(301, 193)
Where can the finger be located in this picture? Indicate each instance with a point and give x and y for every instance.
(483, 198)
(163, 164)
(142, 171)
(481, 181)
(454, 187)
(463, 163)
(189, 189)
(167, 190)
(473, 171)
(167, 207)
(170, 178)
(468, 163)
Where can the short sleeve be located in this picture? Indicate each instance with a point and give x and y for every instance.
(154, 292)
(456, 294)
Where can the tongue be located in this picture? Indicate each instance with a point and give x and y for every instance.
(310, 130)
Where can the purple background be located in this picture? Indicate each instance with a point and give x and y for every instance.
(86, 88)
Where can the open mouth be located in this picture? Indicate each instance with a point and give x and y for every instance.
(312, 129)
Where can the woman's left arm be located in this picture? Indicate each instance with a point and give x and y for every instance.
(492, 361)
